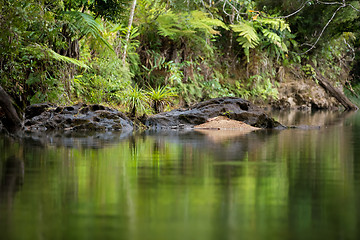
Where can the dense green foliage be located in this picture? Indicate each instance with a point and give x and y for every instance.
(71, 50)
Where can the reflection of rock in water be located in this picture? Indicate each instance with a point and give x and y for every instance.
(226, 154)
(219, 136)
(223, 145)
(228, 150)
(76, 139)
(11, 180)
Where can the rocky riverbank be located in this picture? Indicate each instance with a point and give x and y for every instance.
(231, 107)
(82, 117)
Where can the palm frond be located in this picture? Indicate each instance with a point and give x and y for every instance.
(42, 52)
(87, 25)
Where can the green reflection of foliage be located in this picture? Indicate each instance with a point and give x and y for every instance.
(154, 188)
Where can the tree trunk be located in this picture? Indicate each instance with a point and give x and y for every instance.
(336, 93)
(12, 121)
(132, 11)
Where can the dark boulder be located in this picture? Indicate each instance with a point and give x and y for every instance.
(79, 117)
(234, 108)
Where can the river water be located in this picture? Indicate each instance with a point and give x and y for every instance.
(290, 184)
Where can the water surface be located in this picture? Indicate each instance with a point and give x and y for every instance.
(290, 184)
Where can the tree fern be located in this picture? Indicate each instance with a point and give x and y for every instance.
(266, 31)
(59, 57)
(170, 25)
(271, 28)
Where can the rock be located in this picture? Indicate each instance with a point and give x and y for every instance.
(36, 109)
(79, 117)
(234, 108)
(303, 95)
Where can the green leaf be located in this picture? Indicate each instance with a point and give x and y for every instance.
(33, 78)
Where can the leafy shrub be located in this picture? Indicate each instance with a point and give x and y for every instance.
(104, 82)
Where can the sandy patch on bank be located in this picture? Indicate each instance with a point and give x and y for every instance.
(231, 129)
(224, 123)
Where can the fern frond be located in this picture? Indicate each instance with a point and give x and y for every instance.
(284, 25)
(168, 25)
(202, 22)
(176, 25)
(271, 36)
(276, 24)
(248, 37)
(245, 43)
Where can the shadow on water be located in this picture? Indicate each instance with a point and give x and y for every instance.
(12, 173)
(12, 179)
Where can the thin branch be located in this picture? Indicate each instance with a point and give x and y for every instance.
(323, 30)
(331, 3)
(339, 3)
(350, 88)
(232, 7)
(224, 9)
(352, 50)
(291, 14)
(353, 7)
(227, 2)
